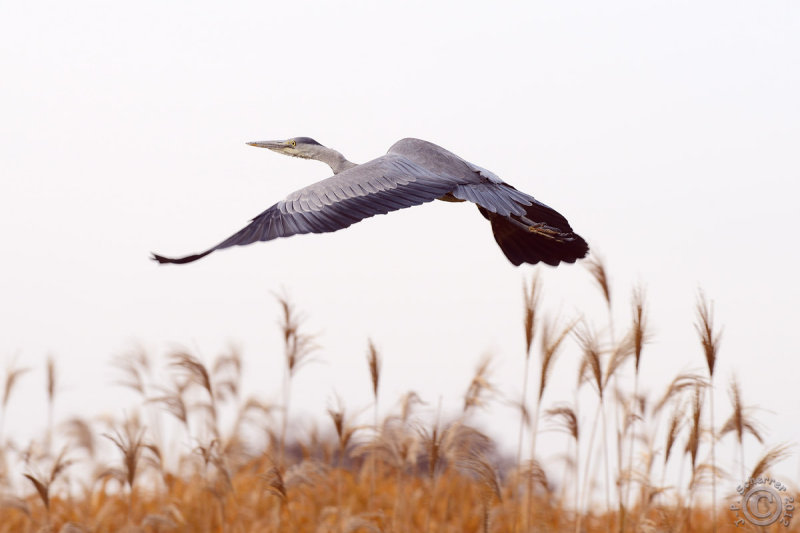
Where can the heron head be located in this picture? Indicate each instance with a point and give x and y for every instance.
(304, 147)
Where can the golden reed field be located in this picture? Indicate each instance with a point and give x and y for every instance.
(641, 463)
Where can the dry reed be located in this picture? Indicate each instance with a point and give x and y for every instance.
(406, 473)
(710, 342)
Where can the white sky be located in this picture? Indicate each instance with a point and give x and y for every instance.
(667, 133)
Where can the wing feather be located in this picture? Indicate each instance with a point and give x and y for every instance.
(382, 185)
(505, 200)
(315, 201)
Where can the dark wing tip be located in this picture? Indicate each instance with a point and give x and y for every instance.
(178, 260)
(521, 246)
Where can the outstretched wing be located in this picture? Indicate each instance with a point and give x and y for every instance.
(527, 230)
(385, 184)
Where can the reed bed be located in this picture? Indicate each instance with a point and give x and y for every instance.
(195, 455)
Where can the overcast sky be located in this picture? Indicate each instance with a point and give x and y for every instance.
(666, 132)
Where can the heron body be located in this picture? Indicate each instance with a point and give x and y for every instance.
(413, 172)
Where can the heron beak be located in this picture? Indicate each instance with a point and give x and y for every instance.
(272, 145)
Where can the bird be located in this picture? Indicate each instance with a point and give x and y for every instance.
(412, 172)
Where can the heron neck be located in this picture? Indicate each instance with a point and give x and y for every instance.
(335, 160)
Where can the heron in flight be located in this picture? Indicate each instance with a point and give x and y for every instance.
(412, 172)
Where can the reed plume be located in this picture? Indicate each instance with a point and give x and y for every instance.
(567, 421)
(80, 434)
(135, 452)
(43, 483)
(374, 364)
(196, 373)
(480, 388)
(477, 466)
(679, 384)
(344, 434)
(531, 295)
(13, 375)
(773, 456)
(51, 389)
(673, 429)
(597, 269)
(740, 422)
(432, 449)
(409, 400)
(297, 349)
(134, 367)
(552, 339)
(227, 375)
(710, 342)
(591, 371)
(640, 336)
(695, 428)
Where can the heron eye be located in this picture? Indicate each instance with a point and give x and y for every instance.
(293, 143)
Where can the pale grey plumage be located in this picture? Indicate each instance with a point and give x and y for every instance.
(411, 173)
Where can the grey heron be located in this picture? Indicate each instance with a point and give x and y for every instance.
(412, 172)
